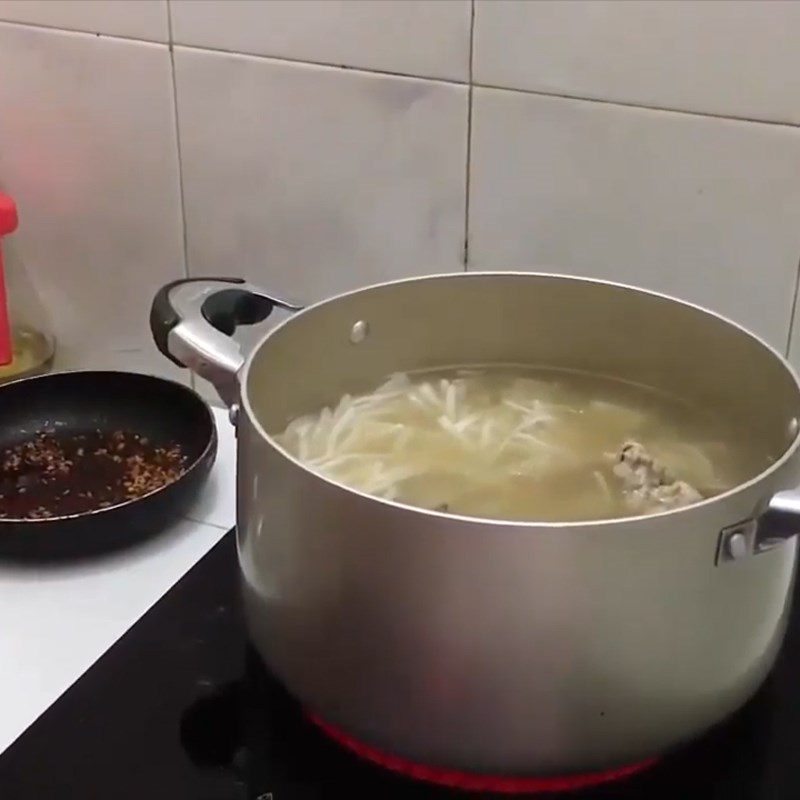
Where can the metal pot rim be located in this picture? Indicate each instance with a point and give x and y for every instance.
(526, 525)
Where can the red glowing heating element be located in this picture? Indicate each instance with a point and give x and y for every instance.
(8, 224)
(470, 782)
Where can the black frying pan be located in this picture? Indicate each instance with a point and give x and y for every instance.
(79, 403)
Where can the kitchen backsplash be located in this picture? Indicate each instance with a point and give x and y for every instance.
(315, 146)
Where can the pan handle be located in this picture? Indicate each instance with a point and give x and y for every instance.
(192, 321)
(779, 522)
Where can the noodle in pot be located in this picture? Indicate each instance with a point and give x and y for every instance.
(521, 444)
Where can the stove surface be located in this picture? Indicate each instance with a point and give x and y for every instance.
(180, 709)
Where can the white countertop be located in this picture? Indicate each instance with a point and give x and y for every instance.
(57, 620)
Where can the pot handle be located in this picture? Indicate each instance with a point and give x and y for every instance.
(779, 522)
(192, 321)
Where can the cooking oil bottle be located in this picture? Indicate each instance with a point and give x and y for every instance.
(26, 346)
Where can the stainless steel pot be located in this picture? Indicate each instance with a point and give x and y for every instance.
(487, 646)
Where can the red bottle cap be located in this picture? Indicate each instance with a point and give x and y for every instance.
(8, 215)
(8, 224)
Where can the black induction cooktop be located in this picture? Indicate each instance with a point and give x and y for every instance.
(180, 708)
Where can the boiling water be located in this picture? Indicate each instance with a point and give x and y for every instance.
(523, 444)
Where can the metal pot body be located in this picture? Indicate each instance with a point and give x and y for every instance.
(508, 648)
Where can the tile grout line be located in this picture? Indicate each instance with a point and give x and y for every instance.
(793, 315)
(325, 64)
(178, 143)
(96, 34)
(170, 38)
(181, 196)
(468, 169)
(470, 84)
(242, 53)
(375, 71)
(642, 107)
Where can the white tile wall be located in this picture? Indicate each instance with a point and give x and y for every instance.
(311, 181)
(415, 37)
(88, 149)
(139, 19)
(737, 58)
(699, 207)
(315, 177)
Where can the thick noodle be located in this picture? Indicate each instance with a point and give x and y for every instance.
(518, 444)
